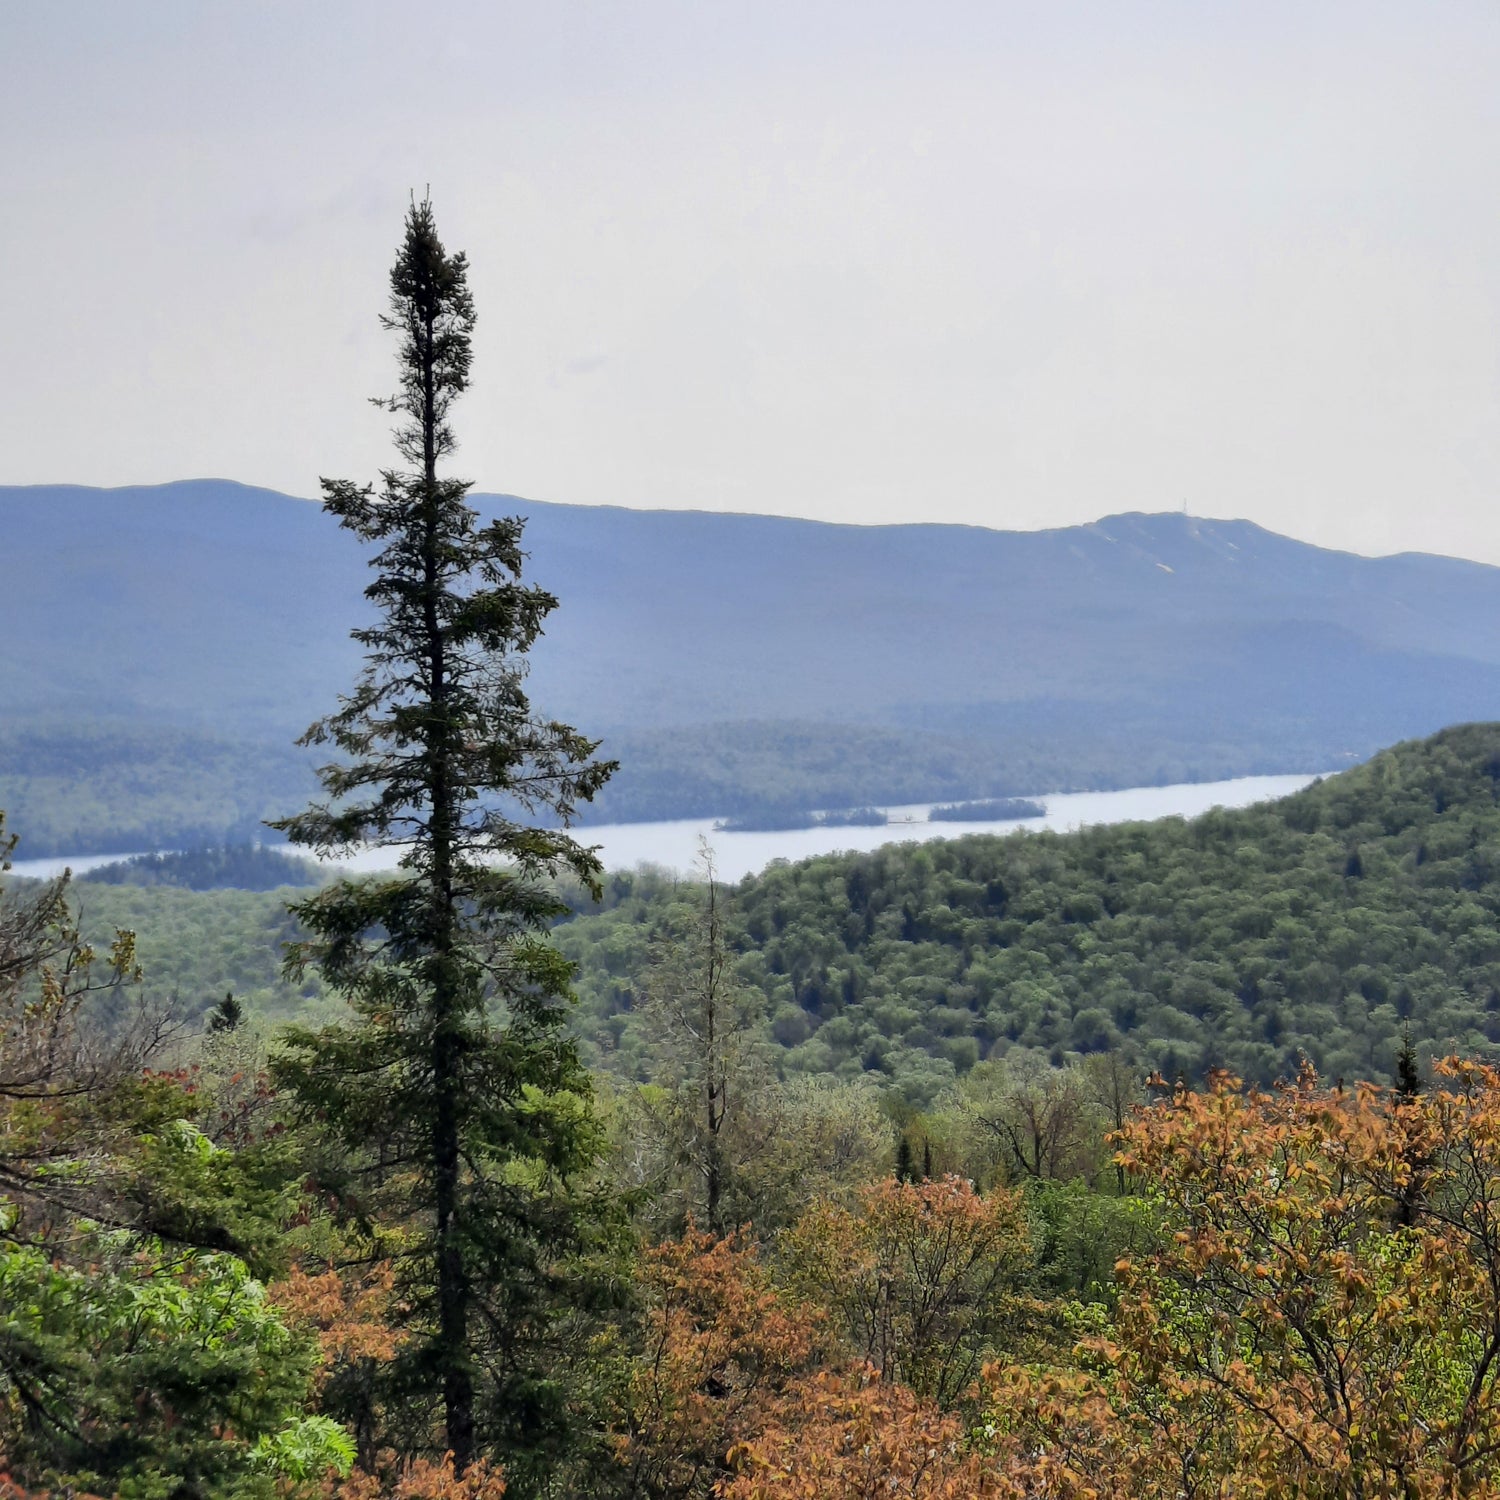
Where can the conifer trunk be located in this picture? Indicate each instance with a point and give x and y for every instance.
(452, 1280)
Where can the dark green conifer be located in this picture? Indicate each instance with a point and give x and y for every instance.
(455, 1092)
(1411, 1192)
(1408, 1073)
(226, 1015)
(905, 1172)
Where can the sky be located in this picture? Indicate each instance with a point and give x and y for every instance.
(1009, 264)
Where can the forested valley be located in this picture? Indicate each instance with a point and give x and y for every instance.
(1329, 925)
(1155, 1160)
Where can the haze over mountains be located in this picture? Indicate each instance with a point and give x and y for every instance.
(730, 660)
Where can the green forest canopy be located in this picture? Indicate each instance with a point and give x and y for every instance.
(1324, 924)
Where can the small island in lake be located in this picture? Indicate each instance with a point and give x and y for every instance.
(783, 820)
(997, 810)
(857, 817)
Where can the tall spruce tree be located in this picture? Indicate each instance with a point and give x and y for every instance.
(454, 1094)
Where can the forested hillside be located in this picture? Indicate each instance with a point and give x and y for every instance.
(166, 644)
(1326, 924)
(1321, 925)
(118, 786)
(196, 945)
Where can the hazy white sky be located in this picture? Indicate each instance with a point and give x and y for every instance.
(1018, 264)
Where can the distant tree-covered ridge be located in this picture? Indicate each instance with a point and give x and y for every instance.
(119, 786)
(1138, 650)
(239, 867)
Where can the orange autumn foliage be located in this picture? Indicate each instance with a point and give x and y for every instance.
(1320, 1319)
(420, 1479)
(725, 1398)
(858, 1437)
(1059, 1434)
(720, 1343)
(347, 1314)
(1323, 1317)
(854, 1436)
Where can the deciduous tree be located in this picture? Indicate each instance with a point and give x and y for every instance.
(924, 1279)
(1295, 1332)
(720, 1345)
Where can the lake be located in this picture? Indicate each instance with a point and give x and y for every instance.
(674, 845)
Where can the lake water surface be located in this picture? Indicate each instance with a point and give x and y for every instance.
(674, 845)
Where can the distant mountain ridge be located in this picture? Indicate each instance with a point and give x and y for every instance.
(743, 659)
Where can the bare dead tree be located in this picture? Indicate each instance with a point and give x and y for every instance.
(59, 1060)
(704, 1026)
(1043, 1119)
